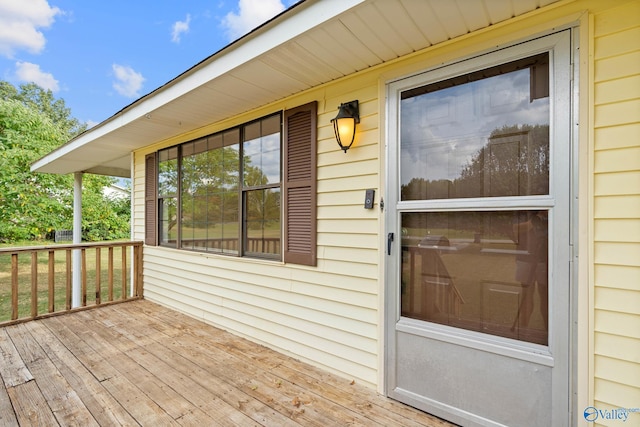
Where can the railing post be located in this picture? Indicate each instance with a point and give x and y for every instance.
(123, 271)
(83, 256)
(69, 281)
(138, 270)
(52, 281)
(34, 283)
(98, 274)
(14, 286)
(110, 274)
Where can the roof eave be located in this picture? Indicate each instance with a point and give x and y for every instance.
(294, 21)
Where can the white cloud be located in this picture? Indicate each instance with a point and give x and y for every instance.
(252, 13)
(179, 28)
(20, 24)
(128, 81)
(28, 72)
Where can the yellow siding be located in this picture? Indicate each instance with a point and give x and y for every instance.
(330, 315)
(616, 318)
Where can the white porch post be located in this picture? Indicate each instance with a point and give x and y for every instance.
(131, 230)
(76, 290)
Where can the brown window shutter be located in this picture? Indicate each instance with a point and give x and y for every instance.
(150, 200)
(299, 184)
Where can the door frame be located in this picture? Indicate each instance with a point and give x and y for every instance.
(563, 383)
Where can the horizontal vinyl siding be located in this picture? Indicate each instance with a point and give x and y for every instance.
(620, 276)
(327, 315)
(617, 208)
(327, 318)
(137, 183)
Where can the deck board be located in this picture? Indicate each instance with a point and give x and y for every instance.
(7, 414)
(12, 369)
(61, 398)
(96, 398)
(138, 363)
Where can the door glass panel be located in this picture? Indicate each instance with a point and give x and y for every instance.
(481, 271)
(483, 134)
(480, 135)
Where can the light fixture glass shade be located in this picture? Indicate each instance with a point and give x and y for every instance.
(345, 130)
(344, 124)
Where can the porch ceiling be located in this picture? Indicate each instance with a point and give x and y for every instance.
(313, 42)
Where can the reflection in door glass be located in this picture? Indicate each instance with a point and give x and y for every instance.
(484, 134)
(480, 271)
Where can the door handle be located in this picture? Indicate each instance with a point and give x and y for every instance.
(389, 240)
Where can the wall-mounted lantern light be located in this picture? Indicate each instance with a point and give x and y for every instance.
(344, 124)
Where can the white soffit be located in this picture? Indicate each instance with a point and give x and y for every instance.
(314, 42)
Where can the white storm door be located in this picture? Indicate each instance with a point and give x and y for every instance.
(478, 283)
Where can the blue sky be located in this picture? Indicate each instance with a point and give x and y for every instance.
(100, 56)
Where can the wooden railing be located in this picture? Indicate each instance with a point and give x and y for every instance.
(265, 245)
(109, 272)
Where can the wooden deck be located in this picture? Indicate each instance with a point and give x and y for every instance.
(138, 363)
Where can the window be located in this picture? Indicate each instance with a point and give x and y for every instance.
(210, 193)
(232, 192)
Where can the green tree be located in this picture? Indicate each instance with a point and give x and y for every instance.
(103, 218)
(515, 161)
(33, 123)
(32, 204)
(33, 96)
